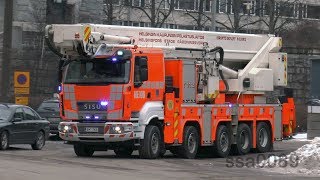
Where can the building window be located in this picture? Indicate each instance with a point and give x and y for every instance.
(116, 2)
(207, 5)
(285, 9)
(313, 12)
(248, 7)
(187, 5)
(223, 6)
(302, 11)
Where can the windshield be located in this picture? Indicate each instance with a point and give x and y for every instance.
(4, 114)
(49, 106)
(98, 71)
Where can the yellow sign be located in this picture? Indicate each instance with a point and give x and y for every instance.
(21, 79)
(87, 33)
(22, 100)
(21, 90)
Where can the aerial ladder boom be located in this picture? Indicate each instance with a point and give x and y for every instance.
(251, 63)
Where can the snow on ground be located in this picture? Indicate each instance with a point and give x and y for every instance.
(303, 161)
(300, 136)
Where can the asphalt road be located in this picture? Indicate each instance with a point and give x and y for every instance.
(58, 162)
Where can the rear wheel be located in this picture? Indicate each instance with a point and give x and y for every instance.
(223, 141)
(39, 142)
(83, 150)
(244, 139)
(4, 140)
(190, 143)
(263, 137)
(150, 146)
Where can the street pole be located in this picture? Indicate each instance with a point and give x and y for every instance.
(6, 56)
(213, 14)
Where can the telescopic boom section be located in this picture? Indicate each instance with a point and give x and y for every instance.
(246, 56)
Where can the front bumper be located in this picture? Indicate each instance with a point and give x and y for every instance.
(105, 133)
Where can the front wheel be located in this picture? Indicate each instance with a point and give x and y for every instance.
(4, 140)
(150, 146)
(39, 142)
(83, 150)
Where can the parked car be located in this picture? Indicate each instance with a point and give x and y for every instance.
(22, 125)
(313, 102)
(49, 109)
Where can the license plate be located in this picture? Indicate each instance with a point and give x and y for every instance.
(91, 106)
(91, 129)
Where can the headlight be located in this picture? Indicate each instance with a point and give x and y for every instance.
(65, 128)
(116, 130)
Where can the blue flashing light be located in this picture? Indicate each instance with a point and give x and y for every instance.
(59, 88)
(104, 103)
(87, 117)
(96, 117)
(230, 105)
(114, 59)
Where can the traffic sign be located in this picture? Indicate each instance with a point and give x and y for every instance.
(23, 100)
(21, 79)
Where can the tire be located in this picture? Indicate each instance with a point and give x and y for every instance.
(83, 150)
(190, 145)
(150, 146)
(264, 143)
(223, 141)
(39, 142)
(4, 140)
(123, 152)
(243, 139)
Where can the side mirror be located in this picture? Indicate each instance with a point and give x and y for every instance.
(143, 74)
(17, 119)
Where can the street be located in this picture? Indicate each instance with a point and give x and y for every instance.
(58, 161)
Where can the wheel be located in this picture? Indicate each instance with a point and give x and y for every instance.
(39, 142)
(223, 141)
(190, 145)
(123, 152)
(243, 139)
(150, 146)
(83, 150)
(263, 137)
(4, 140)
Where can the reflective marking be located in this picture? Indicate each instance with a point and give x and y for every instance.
(111, 105)
(251, 111)
(261, 111)
(72, 97)
(175, 124)
(241, 111)
(74, 105)
(199, 112)
(161, 85)
(65, 88)
(228, 111)
(183, 112)
(113, 89)
(176, 133)
(66, 96)
(71, 115)
(271, 111)
(119, 89)
(115, 96)
(71, 89)
(215, 111)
